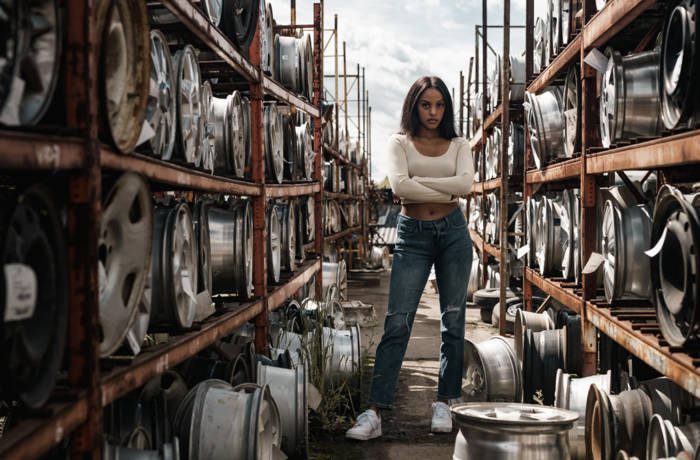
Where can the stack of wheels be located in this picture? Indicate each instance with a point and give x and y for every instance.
(486, 299)
(140, 423)
(571, 393)
(623, 422)
(35, 297)
(294, 64)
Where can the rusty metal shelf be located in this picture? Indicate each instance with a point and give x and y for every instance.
(296, 281)
(477, 240)
(608, 22)
(176, 175)
(562, 294)
(675, 150)
(342, 234)
(274, 88)
(198, 24)
(286, 190)
(340, 196)
(493, 251)
(328, 150)
(34, 437)
(491, 120)
(569, 169)
(486, 186)
(159, 358)
(23, 150)
(557, 65)
(642, 338)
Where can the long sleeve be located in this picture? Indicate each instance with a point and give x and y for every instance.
(461, 183)
(402, 185)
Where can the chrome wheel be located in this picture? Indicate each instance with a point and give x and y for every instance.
(274, 244)
(274, 142)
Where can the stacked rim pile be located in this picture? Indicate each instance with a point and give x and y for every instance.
(141, 257)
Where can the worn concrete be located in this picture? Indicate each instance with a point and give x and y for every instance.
(406, 428)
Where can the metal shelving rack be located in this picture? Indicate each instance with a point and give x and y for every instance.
(76, 414)
(500, 115)
(363, 110)
(634, 328)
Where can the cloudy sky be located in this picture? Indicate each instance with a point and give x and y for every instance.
(397, 41)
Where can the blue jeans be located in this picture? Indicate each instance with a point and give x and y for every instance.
(444, 242)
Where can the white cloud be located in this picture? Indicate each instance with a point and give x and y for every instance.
(399, 41)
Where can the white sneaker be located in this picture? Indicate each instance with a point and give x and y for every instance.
(442, 420)
(368, 426)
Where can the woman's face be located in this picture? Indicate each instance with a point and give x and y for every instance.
(431, 108)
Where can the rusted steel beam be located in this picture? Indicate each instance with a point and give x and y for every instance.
(212, 37)
(490, 121)
(150, 363)
(590, 137)
(342, 234)
(260, 235)
(609, 21)
(319, 240)
(676, 365)
(676, 150)
(285, 190)
(40, 152)
(557, 66)
(330, 151)
(277, 297)
(560, 294)
(176, 175)
(569, 169)
(280, 92)
(34, 437)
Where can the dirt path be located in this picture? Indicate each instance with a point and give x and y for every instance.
(406, 428)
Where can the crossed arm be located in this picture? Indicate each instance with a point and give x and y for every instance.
(429, 189)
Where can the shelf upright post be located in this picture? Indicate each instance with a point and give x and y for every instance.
(259, 202)
(318, 158)
(345, 93)
(527, 188)
(589, 138)
(482, 147)
(337, 85)
(83, 223)
(503, 158)
(360, 85)
(461, 103)
(468, 100)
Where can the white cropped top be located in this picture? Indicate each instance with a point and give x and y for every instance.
(418, 178)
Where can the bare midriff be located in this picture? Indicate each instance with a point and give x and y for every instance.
(427, 211)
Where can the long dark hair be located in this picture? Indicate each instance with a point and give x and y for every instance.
(409, 114)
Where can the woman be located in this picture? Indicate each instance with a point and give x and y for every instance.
(429, 167)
